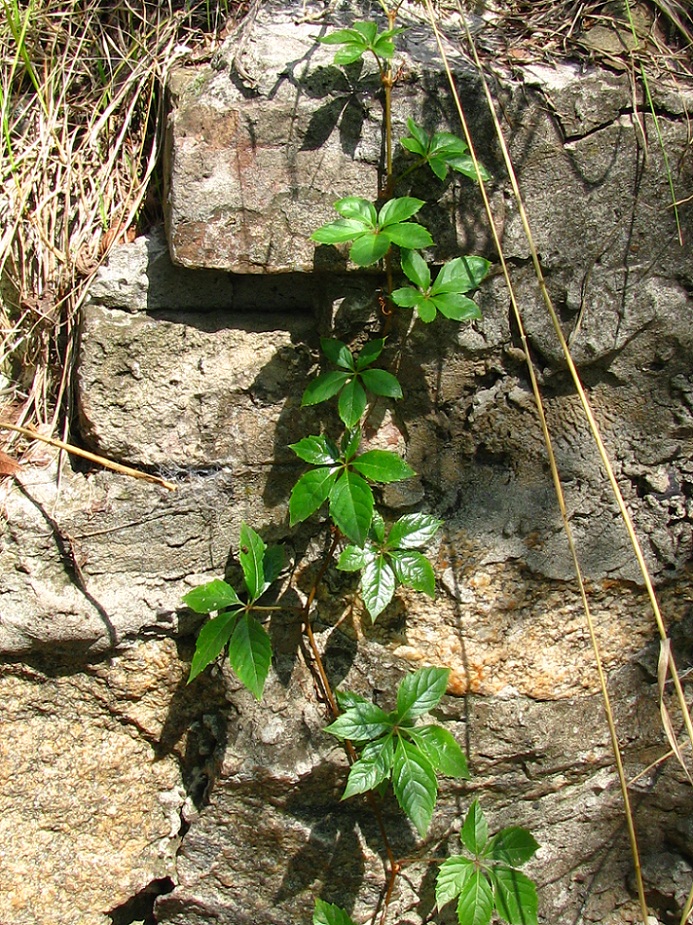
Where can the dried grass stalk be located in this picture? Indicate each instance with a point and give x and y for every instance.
(80, 134)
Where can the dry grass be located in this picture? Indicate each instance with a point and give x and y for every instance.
(551, 30)
(81, 113)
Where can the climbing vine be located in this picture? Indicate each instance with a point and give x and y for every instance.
(384, 748)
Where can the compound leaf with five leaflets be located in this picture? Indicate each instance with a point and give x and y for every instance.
(489, 880)
(442, 151)
(373, 236)
(362, 38)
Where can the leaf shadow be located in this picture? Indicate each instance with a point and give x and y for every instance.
(344, 840)
(344, 109)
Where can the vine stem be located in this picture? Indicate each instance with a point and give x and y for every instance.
(308, 629)
(388, 81)
(319, 666)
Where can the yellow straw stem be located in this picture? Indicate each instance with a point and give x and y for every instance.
(545, 430)
(92, 457)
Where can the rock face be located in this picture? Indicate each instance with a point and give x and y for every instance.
(262, 144)
(90, 814)
(125, 784)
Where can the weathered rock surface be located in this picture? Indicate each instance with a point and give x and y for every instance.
(264, 141)
(274, 834)
(193, 391)
(90, 812)
(104, 560)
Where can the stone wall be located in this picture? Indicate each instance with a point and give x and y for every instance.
(122, 783)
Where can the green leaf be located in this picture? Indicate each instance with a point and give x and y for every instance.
(328, 914)
(426, 310)
(446, 143)
(515, 895)
(251, 556)
(416, 269)
(355, 207)
(370, 352)
(421, 691)
(250, 653)
(373, 767)
(461, 275)
(349, 54)
(339, 231)
(341, 37)
(444, 149)
(412, 568)
(310, 492)
(399, 210)
(367, 29)
(347, 699)
(455, 306)
(413, 530)
(452, 876)
(378, 528)
(513, 845)
(465, 165)
(441, 749)
(337, 353)
(212, 638)
(382, 466)
(315, 450)
(350, 444)
(419, 136)
(369, 248)
(411, 144)
(351, 506)
(474, 834)
(324, 387)
(407, 297)
(414, 784)
(273, 563)
(408, 234)
(352, 403)
(439, 165)
(377, 586)
(215, 595)
(384, 48)
(361, 722)
(381, 382)
(475, 905)
(352, 559)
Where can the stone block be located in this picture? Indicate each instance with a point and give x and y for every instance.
(264, 141)
(90, 814)
(192, 390)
